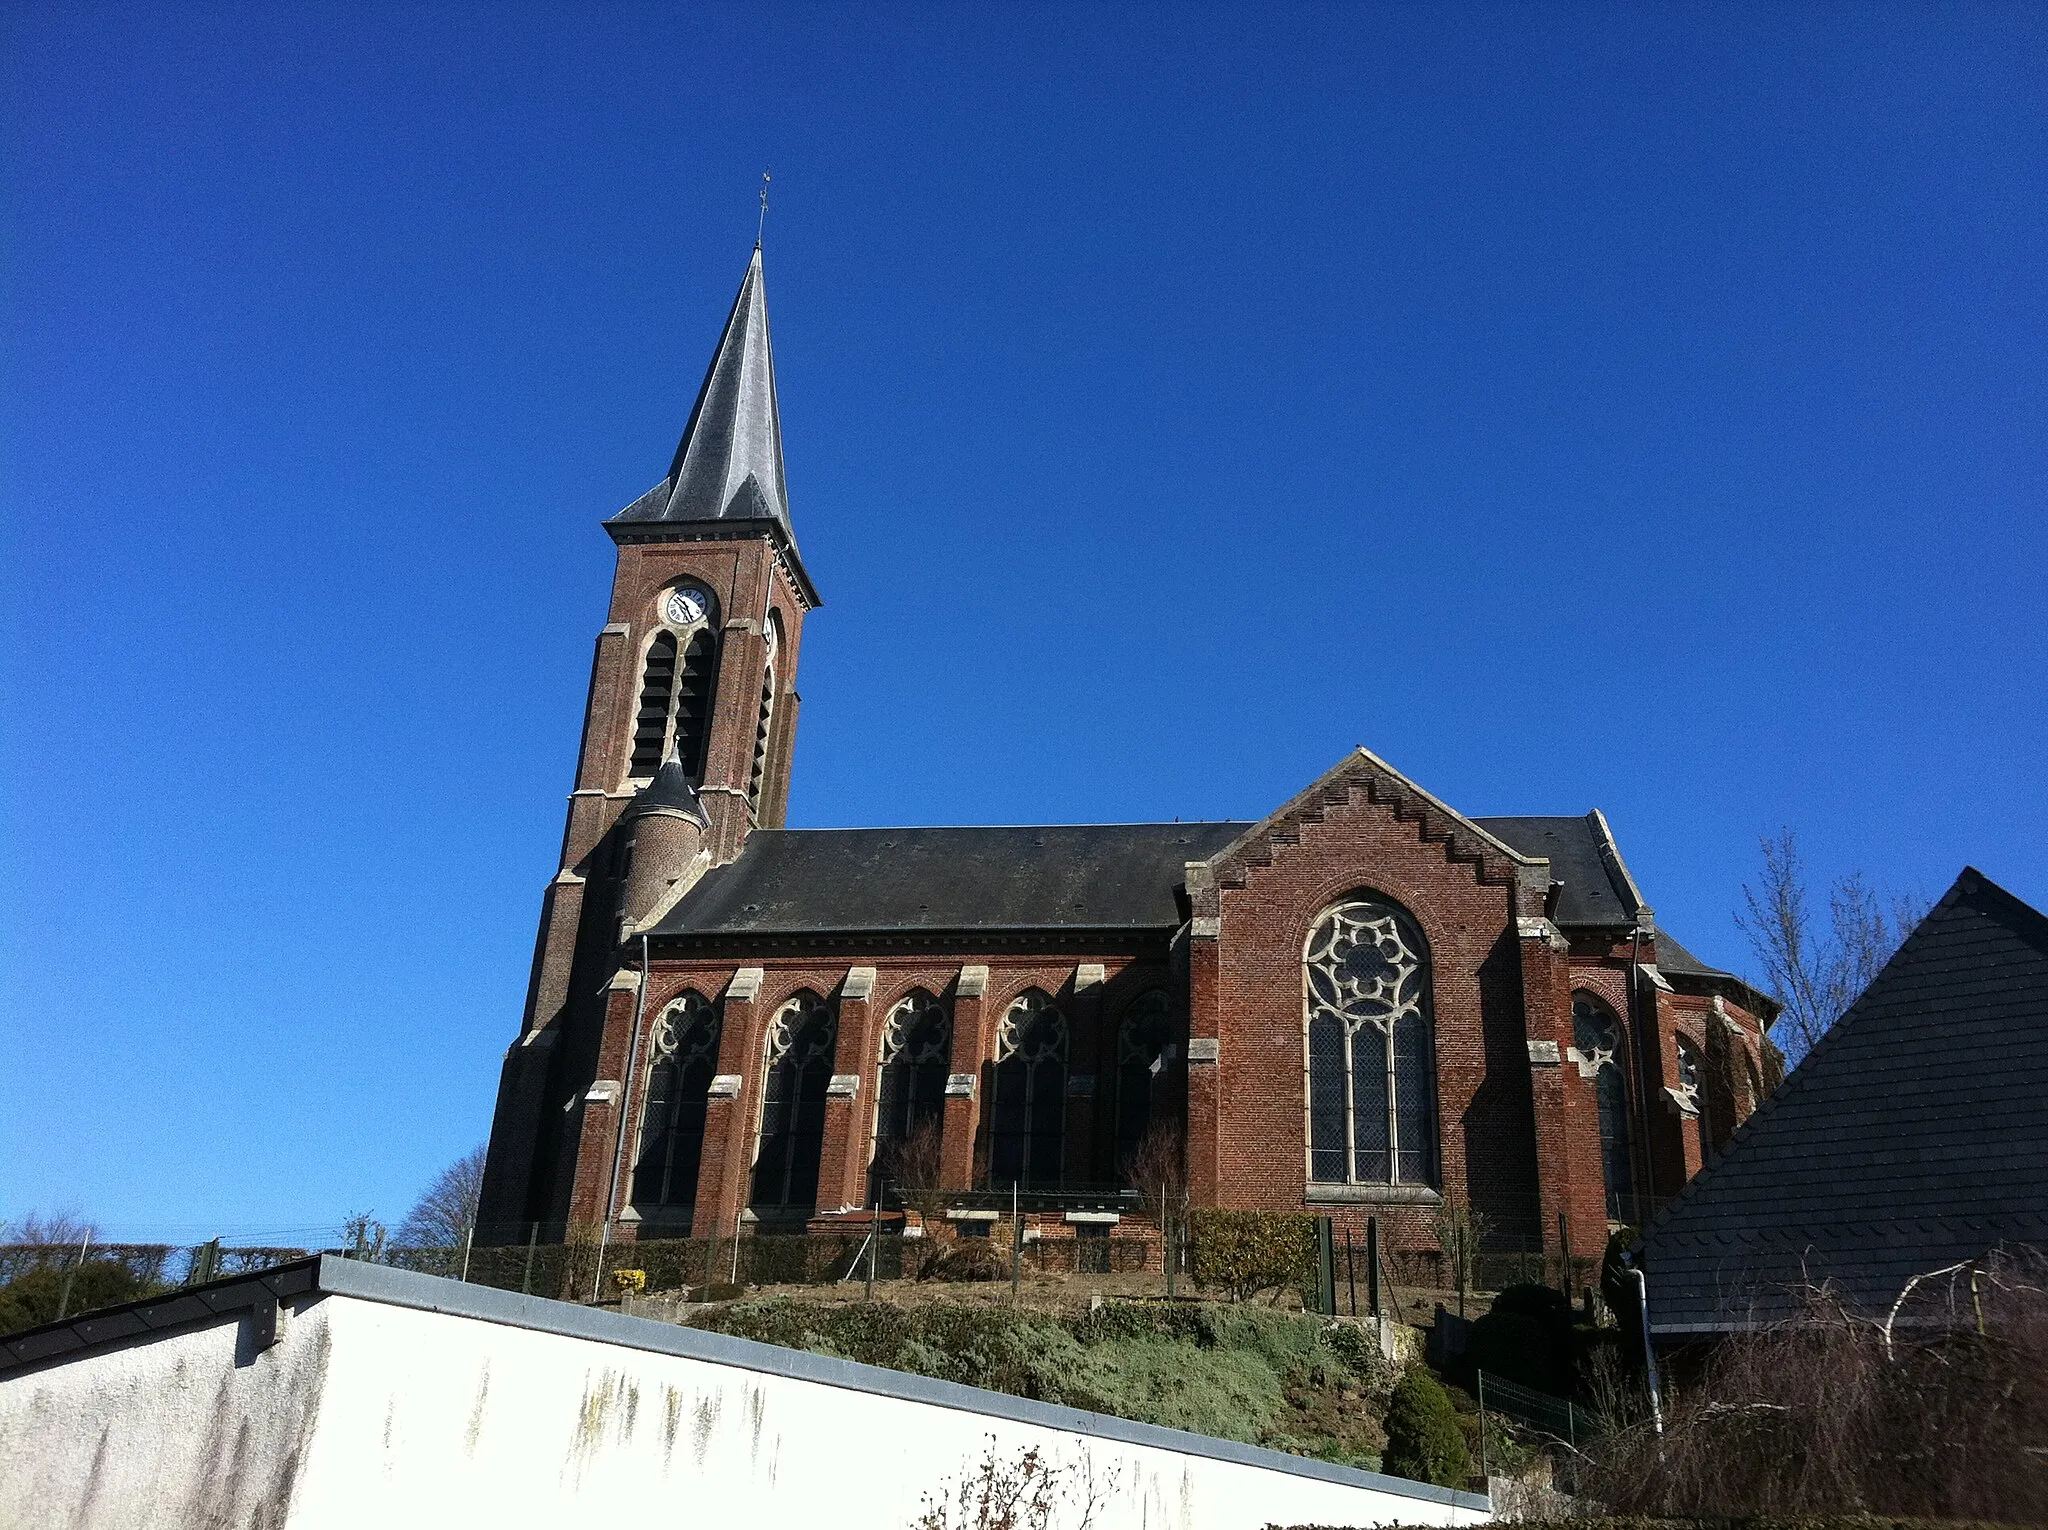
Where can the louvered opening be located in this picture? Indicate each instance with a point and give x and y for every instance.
(650, 726)
(693, 702)
(761, 744)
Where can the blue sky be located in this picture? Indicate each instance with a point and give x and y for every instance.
(1626, 406)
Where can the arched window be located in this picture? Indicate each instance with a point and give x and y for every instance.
(1371, 1063)
(759, 770)
(1596, 1034)
(657, 693)
(1144, 1049)
(676, 685)
(694, 694)
(799, 1060)
(684, 1050)
(917, 1050)
(1694, 1095)
(1029, 1113)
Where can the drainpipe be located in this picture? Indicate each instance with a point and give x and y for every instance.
(1649, 1355)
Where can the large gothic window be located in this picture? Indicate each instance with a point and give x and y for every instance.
(1596, 1034)
(917, 1050)
(684, 1050)
(1144, 1051)
(1029, 1112)
(798, 1055)
(1371, 1062)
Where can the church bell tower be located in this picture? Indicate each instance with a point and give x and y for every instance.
(687, 737)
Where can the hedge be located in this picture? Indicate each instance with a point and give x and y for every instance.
(1246, 1252)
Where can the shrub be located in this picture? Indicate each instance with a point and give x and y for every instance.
(34, 1297)
(1246, 1252)
(969, 1259)
(1424, 1442)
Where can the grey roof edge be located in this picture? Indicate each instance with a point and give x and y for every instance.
(1335, 772)
(1970, 881)
(328, 1274)
(1617, 868)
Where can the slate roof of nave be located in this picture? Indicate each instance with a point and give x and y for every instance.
(1115, 876)
(1058, 876)
(1913, 1136)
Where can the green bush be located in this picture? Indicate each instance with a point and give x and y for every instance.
(1424, 1442)
(1246, 1252)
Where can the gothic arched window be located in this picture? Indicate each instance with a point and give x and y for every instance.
(1371, 1063)
(1144, 1050)
(1029, 1113)
(798, 1054)
(657, 693)
(1689, 1088)
(917, 1050)
(683, 1047)
(1596, 1035)
(676, 684)
(757, 773)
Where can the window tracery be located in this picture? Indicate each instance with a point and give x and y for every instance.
(1144, 1051)
(1028, 1114)
(917, 1050)
(683, 1048)
(1596, 1037)
(1371, 1069)
(798, 1052)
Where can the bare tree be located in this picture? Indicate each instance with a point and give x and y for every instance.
(443, 1215)
(1158, 1171)
(1817, 971)
(913, 1166)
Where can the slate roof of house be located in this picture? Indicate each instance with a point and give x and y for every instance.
(1056, 877)
(728, 465)
(1915, 1135)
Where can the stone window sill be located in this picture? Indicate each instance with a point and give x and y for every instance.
(1383, 1195)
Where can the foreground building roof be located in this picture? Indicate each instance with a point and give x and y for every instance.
(1914, 1136)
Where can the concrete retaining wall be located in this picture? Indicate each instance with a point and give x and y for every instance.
(401, 1399)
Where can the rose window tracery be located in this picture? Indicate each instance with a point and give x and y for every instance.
(1371, 1059)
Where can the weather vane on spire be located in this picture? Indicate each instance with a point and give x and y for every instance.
(762, 227)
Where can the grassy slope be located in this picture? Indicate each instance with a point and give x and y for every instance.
(1240, 1373)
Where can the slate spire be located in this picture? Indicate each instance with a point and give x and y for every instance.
(728, 466)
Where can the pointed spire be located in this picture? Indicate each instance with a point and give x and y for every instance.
(728, 466)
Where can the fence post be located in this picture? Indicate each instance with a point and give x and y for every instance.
(1016, 1247)
(1564, 1250)
(64, 1301)
(1326, 1268)
(874, 1242)
(1351, 1271)
(1372, 1265)
(604, 1235)
(468, 1238)
(1482, 1424)
(532, 1238)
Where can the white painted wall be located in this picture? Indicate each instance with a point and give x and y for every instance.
(371, 1412)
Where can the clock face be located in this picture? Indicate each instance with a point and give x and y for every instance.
(685, 606)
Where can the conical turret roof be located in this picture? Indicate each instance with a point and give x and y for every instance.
(728, 466)
(670, 791)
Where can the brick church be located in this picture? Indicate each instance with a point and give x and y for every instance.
(1364, 1003)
